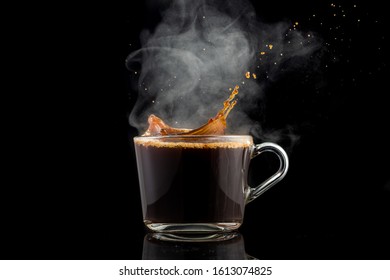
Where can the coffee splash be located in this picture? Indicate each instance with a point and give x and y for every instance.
(215, 126)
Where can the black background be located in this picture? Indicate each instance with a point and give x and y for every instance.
(72, 187)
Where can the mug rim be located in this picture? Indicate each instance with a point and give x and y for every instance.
(195, 140)
(206, 136)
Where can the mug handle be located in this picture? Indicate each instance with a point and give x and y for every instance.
(254, 193)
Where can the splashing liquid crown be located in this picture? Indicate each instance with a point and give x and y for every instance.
(215, 126)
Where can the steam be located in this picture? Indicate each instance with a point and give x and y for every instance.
(200, 50)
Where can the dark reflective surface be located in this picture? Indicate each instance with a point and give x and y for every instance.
(227, 246)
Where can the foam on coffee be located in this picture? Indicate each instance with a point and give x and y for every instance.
(193, 145)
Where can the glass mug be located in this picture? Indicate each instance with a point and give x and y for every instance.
(198, 184)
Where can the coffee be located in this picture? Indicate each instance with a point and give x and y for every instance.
(215, 126)
(193, 181)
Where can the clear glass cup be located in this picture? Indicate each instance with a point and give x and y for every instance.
(198, 184)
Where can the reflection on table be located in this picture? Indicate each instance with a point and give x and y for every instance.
(225, 246)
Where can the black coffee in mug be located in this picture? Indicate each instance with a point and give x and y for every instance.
(198, 183)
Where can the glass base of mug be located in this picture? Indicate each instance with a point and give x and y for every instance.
(193, 237)
(192, 227)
